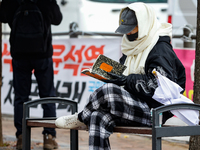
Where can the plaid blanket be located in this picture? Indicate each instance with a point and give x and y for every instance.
(110, 106)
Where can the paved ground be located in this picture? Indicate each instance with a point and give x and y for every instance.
(118, 141)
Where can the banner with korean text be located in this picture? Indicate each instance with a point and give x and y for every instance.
(70, 57)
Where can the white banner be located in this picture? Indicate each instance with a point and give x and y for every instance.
(70, 57)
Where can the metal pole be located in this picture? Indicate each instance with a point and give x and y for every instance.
(73, 27)
(187, 40)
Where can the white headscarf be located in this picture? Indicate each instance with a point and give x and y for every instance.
(149, 30)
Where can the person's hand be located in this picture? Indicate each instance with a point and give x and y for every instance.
(116, 79)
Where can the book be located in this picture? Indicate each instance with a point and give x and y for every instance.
(102, 65)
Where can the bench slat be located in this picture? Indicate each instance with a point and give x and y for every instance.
(136, 130)
(51, 124)
(41, 123)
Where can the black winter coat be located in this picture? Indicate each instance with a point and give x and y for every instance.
(163, 59)
(51, 14)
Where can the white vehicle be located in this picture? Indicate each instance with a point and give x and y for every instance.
(183, 16)
(103, 15)
(98, 15)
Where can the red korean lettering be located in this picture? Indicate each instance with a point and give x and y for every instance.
(5, 50)
(70, 54)
(9, 61)
(79, 52)
(93, 52)
(57, 61)
(58, 50)
(74, 67)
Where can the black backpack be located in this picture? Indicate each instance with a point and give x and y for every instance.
(28, 29)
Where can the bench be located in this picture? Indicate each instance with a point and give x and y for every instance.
(156, 130)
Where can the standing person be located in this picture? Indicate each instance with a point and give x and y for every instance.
(25, 62)
(127, 100)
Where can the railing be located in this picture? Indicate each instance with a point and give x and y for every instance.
(187, 37)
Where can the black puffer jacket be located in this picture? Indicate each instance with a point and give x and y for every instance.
(163, 59)
(51, 14)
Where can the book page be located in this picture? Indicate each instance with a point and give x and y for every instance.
(86, 70)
